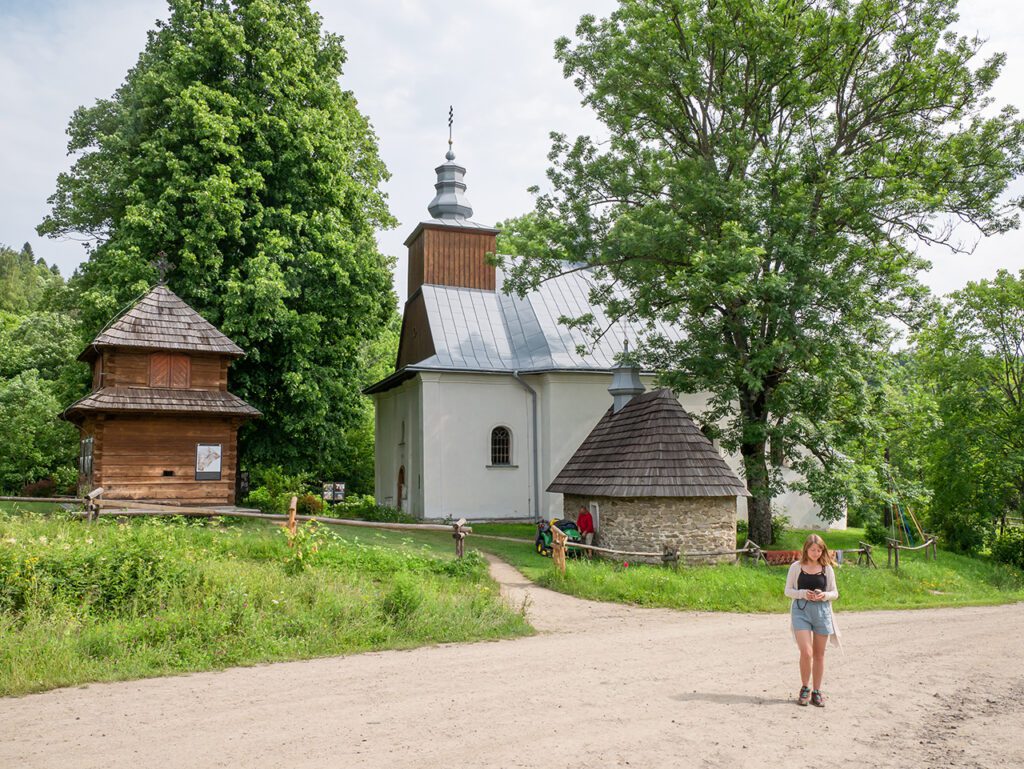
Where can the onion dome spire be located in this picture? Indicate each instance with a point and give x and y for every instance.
(450, 202)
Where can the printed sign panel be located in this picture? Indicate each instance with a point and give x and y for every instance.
(334, 492)
(208, 461)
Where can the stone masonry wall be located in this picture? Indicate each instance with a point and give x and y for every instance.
(693, 524)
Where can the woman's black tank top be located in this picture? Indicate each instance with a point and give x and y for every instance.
(811, 581)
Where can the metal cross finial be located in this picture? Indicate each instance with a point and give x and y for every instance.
(162, 267)
(451, 119)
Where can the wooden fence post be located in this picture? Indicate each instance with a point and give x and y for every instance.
(671, 556)
(292, 507)
(459, 536)
(92, 504)
(558, 540)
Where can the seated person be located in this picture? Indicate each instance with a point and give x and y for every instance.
(585, 523)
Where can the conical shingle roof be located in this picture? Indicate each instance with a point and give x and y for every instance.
(160, 320)
(649, 448)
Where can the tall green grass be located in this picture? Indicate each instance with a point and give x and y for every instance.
(106, 601)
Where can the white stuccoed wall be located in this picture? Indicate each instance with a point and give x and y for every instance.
(446, 453)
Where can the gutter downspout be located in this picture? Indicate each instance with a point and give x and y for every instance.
(536, 450)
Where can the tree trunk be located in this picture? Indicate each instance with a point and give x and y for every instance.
(759, 506)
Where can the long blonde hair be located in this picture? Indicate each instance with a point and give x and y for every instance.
(825, 559)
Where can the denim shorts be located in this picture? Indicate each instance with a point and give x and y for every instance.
(815, 616)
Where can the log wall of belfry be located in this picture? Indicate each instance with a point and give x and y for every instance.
(649, 524)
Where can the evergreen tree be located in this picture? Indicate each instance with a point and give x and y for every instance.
(232, 148)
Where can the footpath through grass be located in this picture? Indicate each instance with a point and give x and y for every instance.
(107, 601)
(952, 580)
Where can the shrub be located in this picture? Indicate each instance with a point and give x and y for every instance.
(279, 483)
(66, 479)
(875, 532)
(402, 600)
(309, 504)
(779, 525)
(964, 530)
(303, 546)
(742, 529)
(44, 487)
(385, 514)
(262, 500)
(364, 507)
(1009, 548)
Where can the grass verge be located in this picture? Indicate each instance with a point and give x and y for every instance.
(952, 580)
(107, 601)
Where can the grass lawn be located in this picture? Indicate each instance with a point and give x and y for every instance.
(30, 507)
(107, 601)
(952, 580)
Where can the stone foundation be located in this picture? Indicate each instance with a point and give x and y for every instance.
(693, 524)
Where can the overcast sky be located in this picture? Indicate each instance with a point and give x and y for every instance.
(408, 60)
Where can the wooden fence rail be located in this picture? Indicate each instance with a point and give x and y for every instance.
(894, 546)
(290, 521)
(40, 499)
(95, 506)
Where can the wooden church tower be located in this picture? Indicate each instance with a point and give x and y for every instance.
(160, 424)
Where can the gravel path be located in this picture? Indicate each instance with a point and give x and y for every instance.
(601, 685)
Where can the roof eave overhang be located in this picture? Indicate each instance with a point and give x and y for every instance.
(447, 227)
(585, 491)
(77, 414)
(92, 352)
(408, 372)
(392, 381)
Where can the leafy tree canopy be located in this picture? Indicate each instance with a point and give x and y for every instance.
(36, 443)
(973, 353)
(232, 148)
(768, 169)
(25, 282)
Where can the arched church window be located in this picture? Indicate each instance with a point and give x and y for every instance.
(501, 446)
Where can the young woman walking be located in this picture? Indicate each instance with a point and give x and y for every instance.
(811, 584)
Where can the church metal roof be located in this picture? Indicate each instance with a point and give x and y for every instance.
(476, 330)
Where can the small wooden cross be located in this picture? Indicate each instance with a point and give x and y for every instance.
(162, 266)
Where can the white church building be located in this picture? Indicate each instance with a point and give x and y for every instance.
(490, 396)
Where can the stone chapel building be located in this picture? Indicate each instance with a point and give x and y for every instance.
(490, 396)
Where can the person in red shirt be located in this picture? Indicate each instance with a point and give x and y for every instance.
(585, 523)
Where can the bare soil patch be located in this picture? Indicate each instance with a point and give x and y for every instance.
(602, 685)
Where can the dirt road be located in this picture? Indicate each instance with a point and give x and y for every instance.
(601, 686)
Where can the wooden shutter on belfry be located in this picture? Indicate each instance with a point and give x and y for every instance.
(160, 369)
(169, 370)
(181, 370)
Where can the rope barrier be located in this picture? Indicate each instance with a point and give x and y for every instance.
(749, 548)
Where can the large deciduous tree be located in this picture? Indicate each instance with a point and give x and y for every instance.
(769, 166)
(232, 147)
(973, 353)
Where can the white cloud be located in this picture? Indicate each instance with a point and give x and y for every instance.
(408, 61)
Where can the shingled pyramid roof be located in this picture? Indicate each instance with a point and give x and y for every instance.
(650, 448)
(160, 320)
